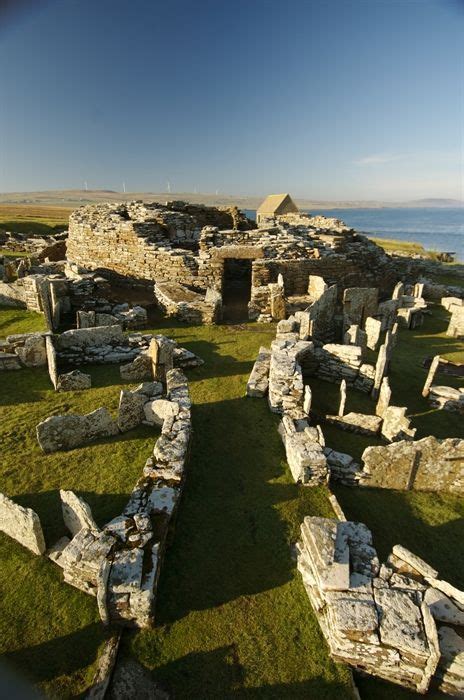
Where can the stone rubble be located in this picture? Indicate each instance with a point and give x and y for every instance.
(381, 620)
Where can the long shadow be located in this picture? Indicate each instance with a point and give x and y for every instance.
(229, 540)
(24, 386)
(218, 674)
(60, 656)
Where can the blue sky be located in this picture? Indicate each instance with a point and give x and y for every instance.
(327, 99)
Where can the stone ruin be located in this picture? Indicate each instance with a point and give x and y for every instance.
(65, 295)
(119, 563)
(191, 253)
(99, 345)
(284, 374)
(398, 621)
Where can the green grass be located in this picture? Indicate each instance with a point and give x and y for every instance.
(33, 218)
(392, 245)
(20, 321)
(233, 619)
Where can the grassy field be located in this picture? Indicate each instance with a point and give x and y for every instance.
(233, 619)
(33, 219)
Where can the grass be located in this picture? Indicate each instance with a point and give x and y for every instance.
(33, 219)
(233, 619)
(392, 245)
(20, 321)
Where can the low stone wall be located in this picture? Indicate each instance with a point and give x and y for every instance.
(120, 563)
(429, 464)
(398, 621)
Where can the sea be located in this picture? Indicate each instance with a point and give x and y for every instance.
(440, 229)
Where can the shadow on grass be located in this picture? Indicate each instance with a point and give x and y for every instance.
(435, 523)
(47, 505)
(60, 656)
(220, 668)
(229, 539)
(24, 386)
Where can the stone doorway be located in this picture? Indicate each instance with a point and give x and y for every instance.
(236, 289)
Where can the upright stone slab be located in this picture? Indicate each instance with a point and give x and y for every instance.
(277, 300)
(76, 513)
(430, 376)
(51, 360)
(161, 351)
(373, 329)
(307, 400)
(380, 367)
(341, 408)
(130, 413)
(22, 524)
(258, 381)
(316, 286)
(358, 304)
(398, 291)
(384, 398)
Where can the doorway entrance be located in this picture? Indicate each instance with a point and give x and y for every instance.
(236, 289)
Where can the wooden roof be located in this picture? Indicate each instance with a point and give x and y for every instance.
(277, 202)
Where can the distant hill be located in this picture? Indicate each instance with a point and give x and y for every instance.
(76, 198)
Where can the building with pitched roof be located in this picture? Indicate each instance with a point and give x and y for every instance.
(276, 205)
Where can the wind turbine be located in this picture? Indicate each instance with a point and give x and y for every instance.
(85, 185)
(124, 187)
(168, 186)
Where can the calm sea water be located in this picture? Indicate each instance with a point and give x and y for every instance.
(435, 229)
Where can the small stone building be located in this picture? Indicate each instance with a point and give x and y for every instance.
(275, 205)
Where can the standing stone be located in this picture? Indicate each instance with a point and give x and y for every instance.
(355, 336)
(76, 513)
(384, 398)
(341, 409)
(380, 368)
(51, 360)
(430, 377)
(394, 334)
(373, 329)
(398, 291)
(418, 290)
(161, 351)
(278, 306)
(316, 287)
(85, 319)
(130, 413)
(22, 524)
(307, 399)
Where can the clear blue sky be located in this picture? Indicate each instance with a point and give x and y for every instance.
(322, 98)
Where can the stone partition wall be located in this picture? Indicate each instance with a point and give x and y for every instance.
(429, 464)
